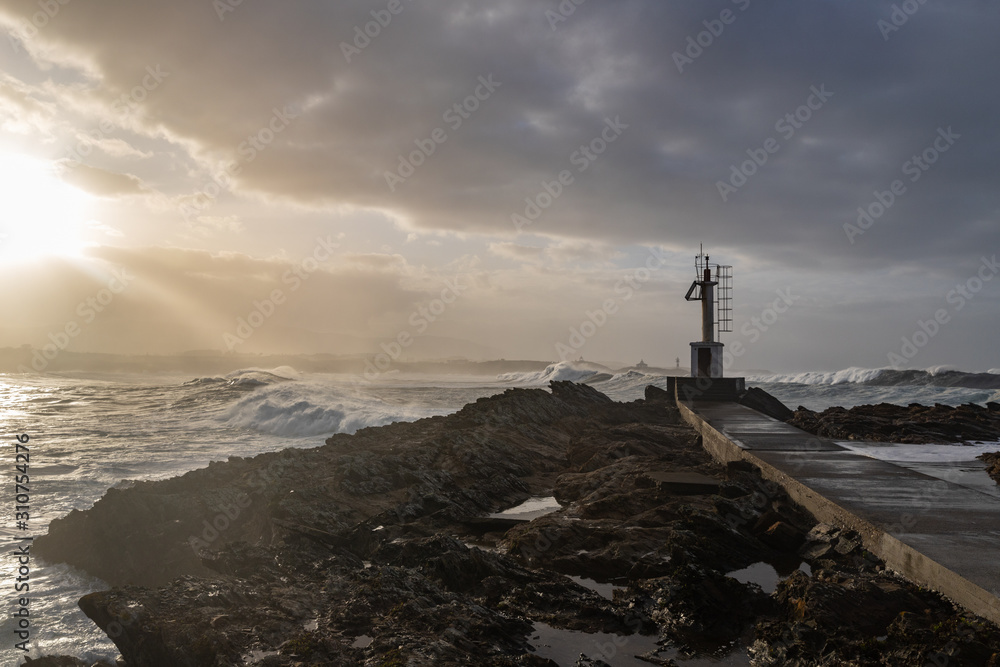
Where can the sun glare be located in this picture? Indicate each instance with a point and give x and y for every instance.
(40, 214)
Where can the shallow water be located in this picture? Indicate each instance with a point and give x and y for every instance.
(530, 509)
(604, 589)
(566, 646)
(766, 575)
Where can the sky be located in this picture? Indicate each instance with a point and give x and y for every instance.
(518, 179)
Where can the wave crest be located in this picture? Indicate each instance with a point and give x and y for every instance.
(936, 376)
(848, 375)
(561, 371)
(303, 409)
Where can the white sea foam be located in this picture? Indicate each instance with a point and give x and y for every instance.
(848, 375)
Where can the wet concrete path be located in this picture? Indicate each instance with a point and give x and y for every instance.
(929, 523)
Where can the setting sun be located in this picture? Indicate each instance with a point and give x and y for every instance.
(41, 214)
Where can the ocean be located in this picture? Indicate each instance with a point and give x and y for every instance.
(91, 432)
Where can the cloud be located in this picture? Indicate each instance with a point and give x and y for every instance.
(557, 254)
(208, 225)
(534, 134)
(99, 181)
(115, 147)
(555, 91)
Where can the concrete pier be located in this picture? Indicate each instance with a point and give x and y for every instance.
(931, 529)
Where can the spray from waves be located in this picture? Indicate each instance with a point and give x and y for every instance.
(564, 370)
(310, 408)
(937, 376)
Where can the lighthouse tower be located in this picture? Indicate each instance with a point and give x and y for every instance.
(712, 286)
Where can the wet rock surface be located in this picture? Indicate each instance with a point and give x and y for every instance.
(375, 550)
(993, 461)
(761, 401)
(917, 424)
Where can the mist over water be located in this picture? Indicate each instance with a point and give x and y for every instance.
(90, 433)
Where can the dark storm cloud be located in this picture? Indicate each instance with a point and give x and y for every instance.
(556, 86)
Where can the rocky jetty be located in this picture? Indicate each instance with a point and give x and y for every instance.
(918, 424)
(383, 549)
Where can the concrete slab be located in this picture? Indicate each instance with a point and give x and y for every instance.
(928, 522)
(798, 442)
(774, 427)
(809, 463)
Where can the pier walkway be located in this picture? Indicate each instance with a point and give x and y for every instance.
(926, 524)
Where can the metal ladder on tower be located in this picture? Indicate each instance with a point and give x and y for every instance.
(724, 299)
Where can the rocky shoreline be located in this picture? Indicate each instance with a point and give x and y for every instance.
(383, 548)
(916, 424)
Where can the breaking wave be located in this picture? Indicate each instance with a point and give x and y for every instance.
(302, 409)
(562, 371)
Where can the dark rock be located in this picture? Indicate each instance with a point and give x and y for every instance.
(761, 401)
(701, 608)
(915, 424)
(654, 394)
(861, 619)
(783, 537)
(993, 462)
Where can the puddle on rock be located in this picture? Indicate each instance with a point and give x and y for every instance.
(363, 641)
(605, 590)
(258, 656)
(768, 575)
(564, 647)
(530, 509)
